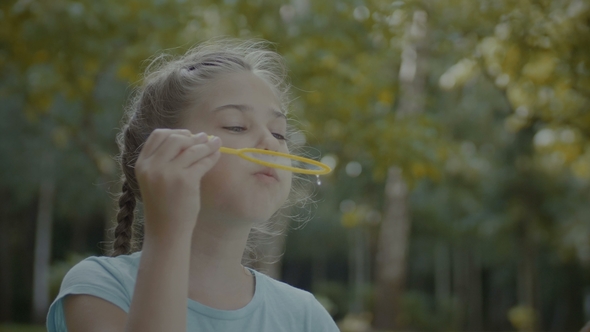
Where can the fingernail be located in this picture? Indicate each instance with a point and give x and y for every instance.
(215, 139)
(199, 135)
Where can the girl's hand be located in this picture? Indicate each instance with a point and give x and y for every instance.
(169, 171)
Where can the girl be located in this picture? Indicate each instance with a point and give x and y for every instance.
(199, 206)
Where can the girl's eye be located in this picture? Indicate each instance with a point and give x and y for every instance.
(238, 129)
(235, 129)
(279, 136)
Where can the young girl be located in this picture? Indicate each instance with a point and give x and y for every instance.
(199, 205)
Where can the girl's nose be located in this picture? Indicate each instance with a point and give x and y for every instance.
(268, 142)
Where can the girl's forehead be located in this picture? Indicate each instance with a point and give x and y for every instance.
(239, 88)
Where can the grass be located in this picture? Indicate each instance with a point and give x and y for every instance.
(22, 328)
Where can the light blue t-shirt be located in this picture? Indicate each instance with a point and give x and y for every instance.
(276, 306)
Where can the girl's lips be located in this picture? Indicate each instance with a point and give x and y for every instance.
(268, 173)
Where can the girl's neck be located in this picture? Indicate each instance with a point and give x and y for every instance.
(216, 275)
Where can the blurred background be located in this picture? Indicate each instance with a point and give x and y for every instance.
(459, 131)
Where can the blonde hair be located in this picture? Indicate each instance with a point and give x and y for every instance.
(170, 87)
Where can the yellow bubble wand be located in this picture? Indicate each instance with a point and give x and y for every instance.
(321, 167)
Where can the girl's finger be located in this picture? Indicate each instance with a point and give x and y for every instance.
(203, 165)
(157, 138)
(175, 144)
(197, 152)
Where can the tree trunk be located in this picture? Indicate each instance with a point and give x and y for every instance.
(319, 268)
(474, 294)
(460, 283)
(413, 67)
(442, 274)
(43, 250)
(526, 280)
(79, 234)
(6, 264)
(392, 252)
(395, 229)
(359, 263)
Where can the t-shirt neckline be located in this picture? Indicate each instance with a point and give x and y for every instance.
(232, 314)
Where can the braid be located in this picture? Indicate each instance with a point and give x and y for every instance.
(124, 230)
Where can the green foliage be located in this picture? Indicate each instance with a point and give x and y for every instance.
(417, 313)
(338, 293)
(533, 52)
(502, 143)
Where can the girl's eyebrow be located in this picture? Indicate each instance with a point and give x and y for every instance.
(247, 108)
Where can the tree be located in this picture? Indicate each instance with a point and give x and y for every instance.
(396, 225)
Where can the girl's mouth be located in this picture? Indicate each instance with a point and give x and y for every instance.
(267, 174)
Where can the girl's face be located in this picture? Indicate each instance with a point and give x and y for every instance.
(244, 112)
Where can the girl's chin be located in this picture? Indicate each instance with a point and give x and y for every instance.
(253, 217)
(248, 215)
(243, 206)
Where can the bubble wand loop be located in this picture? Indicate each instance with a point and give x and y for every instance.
(323, 168)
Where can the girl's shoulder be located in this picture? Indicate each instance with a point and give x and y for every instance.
(109, 278)
(113, 274)
(94, 267)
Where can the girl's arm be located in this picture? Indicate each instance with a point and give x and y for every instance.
(92, 314)
(169, 170)
(160, 296)
(159, 300)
